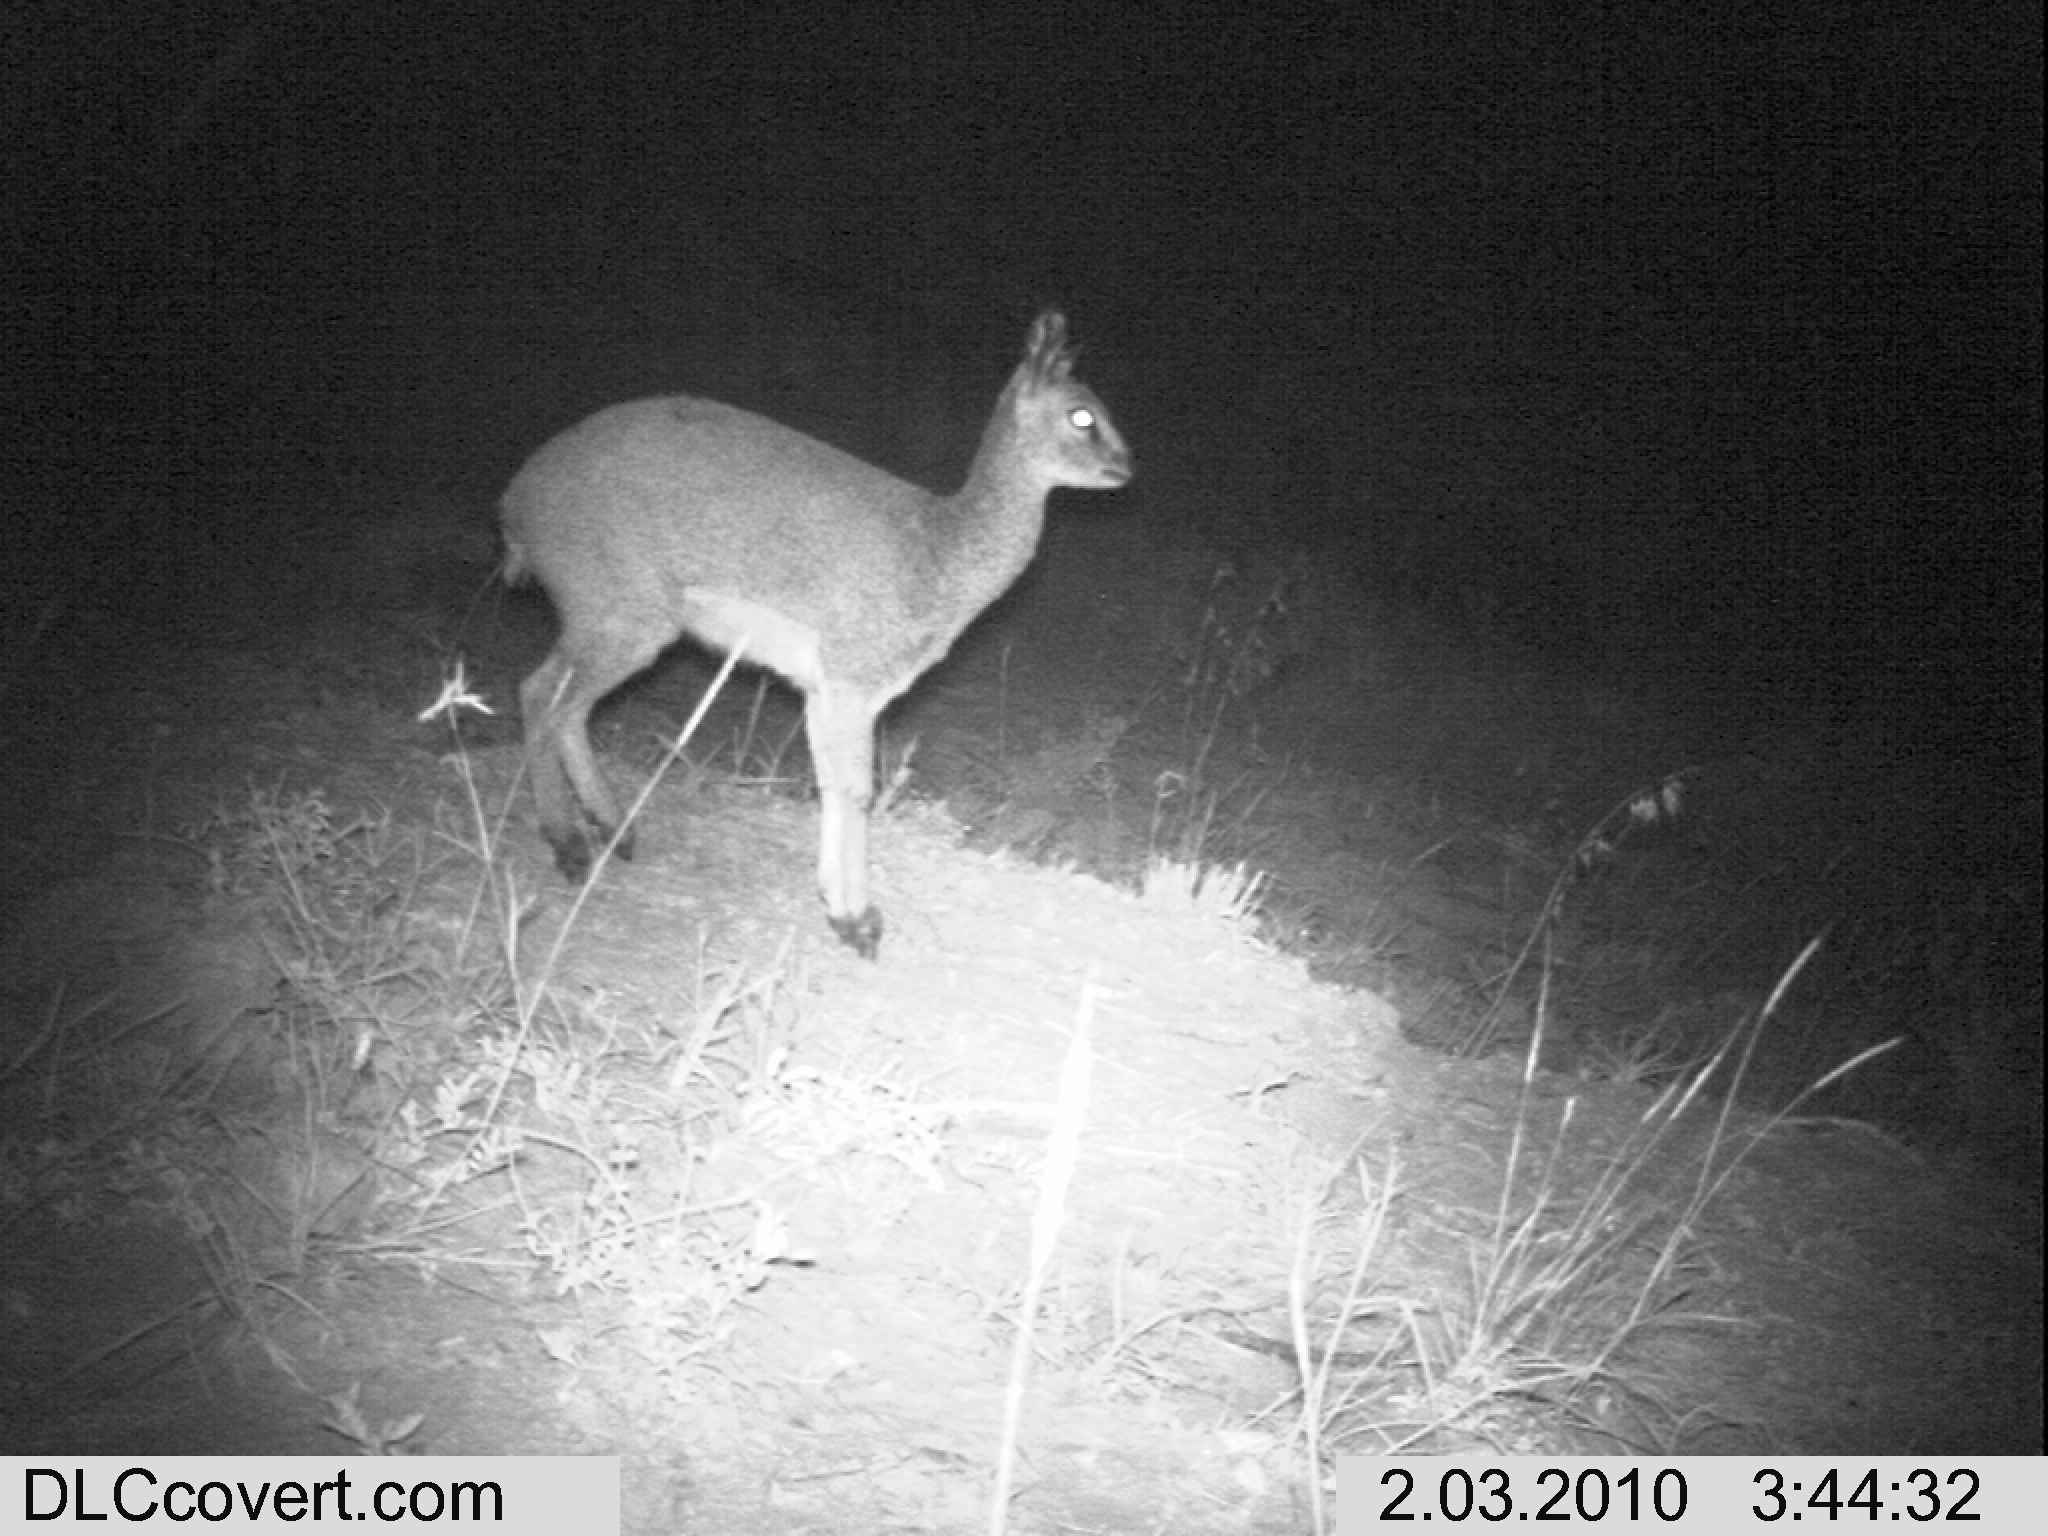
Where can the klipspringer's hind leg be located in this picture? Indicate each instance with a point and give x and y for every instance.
(555, 798)
(577, 813)
(842, 735)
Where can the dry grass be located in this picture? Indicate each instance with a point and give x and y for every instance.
(1567, 1281)
(506, 1135)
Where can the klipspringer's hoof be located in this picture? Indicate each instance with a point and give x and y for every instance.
(576, 852)
(572, 857)
(863, 933)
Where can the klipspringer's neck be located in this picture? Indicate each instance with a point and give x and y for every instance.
(998, 515)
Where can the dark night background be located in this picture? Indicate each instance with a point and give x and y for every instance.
(1786, 255)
